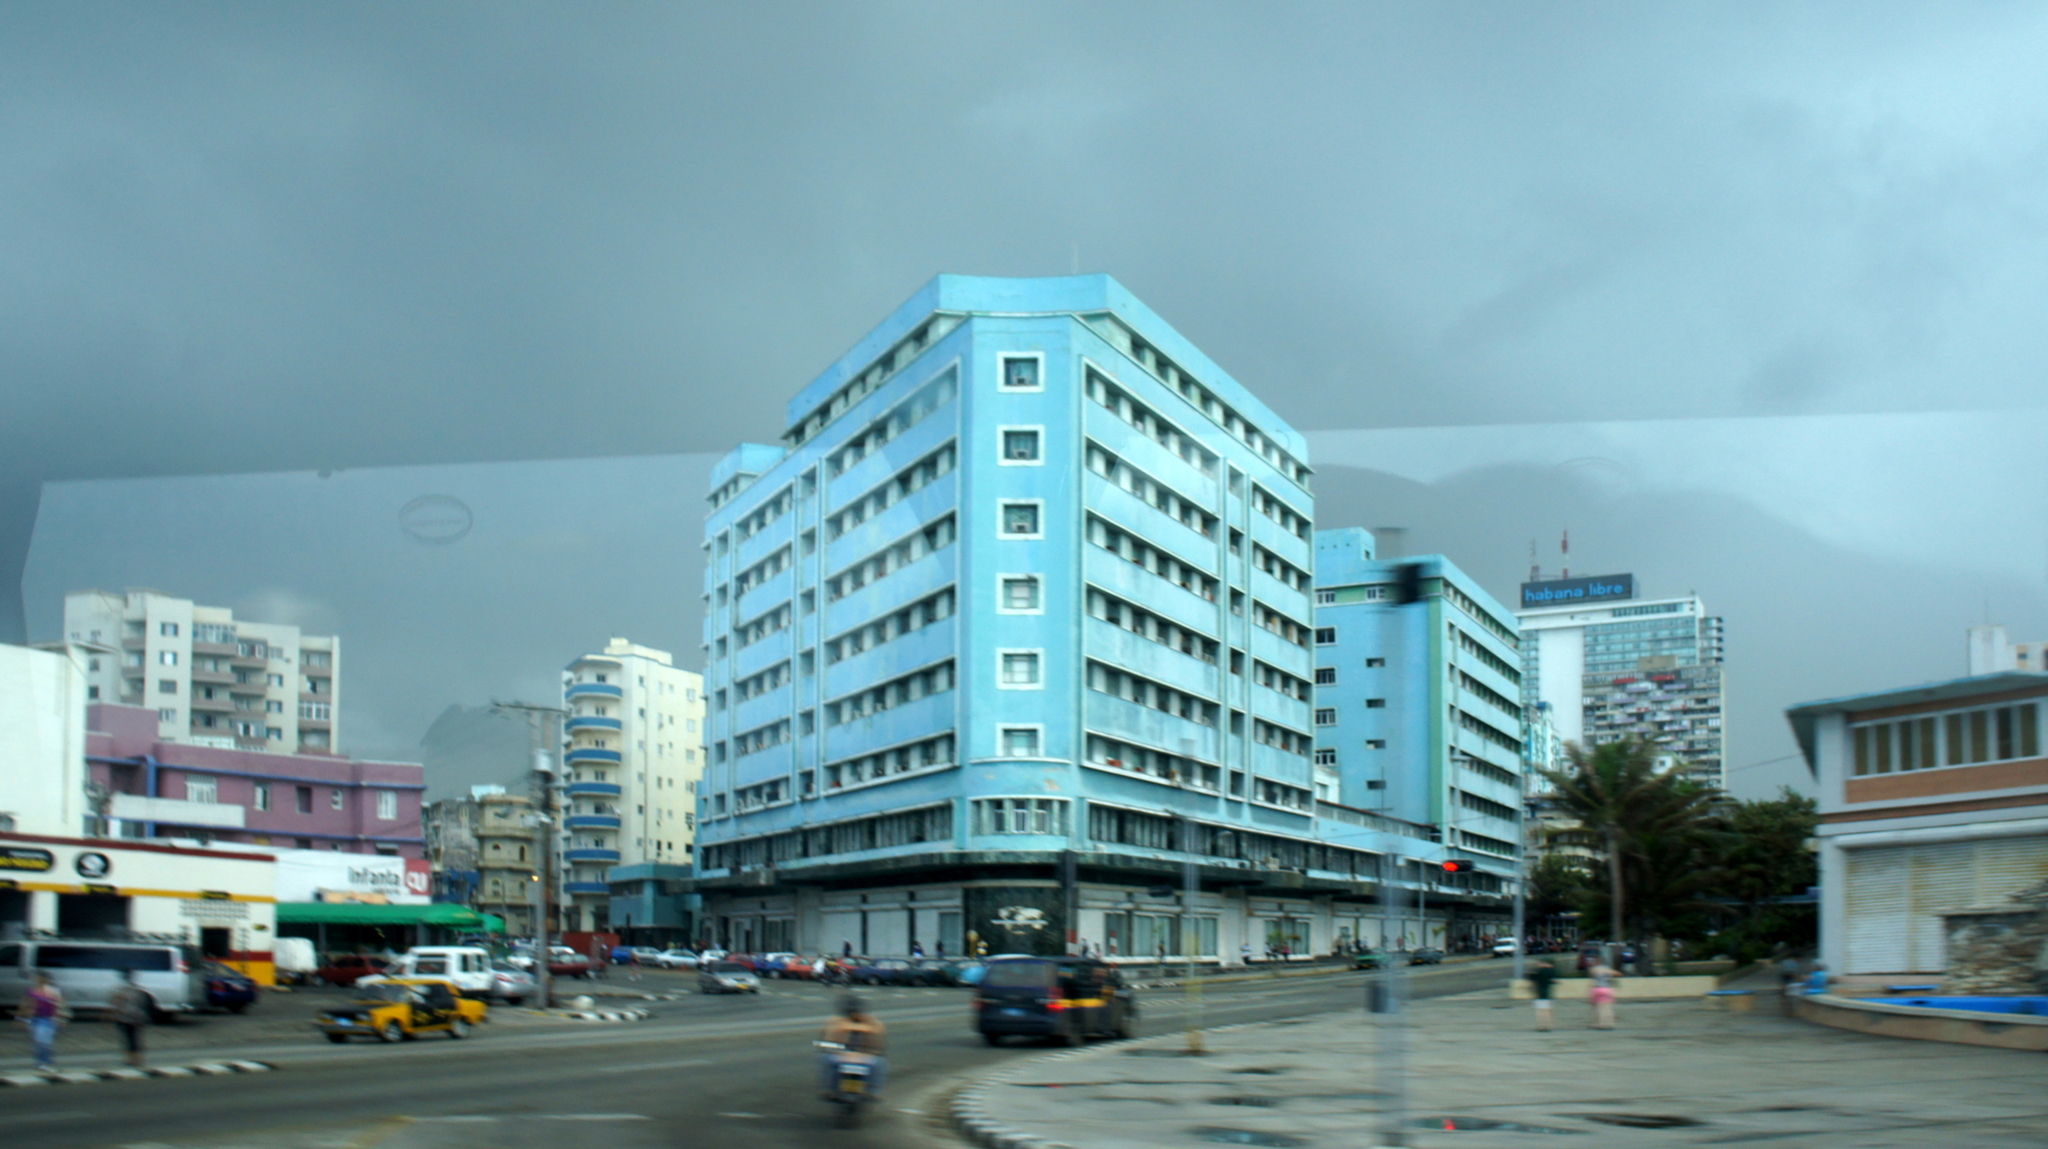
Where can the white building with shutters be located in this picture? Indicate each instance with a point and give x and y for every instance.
(1932, 799)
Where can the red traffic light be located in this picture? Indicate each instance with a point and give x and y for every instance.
(1459, 866)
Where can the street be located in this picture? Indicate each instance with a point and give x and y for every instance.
(704, 1070)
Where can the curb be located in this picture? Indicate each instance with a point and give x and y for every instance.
(130, 1073)
(600, 1014)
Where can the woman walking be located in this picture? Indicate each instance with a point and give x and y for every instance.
(42, 1009)
(1602, 994)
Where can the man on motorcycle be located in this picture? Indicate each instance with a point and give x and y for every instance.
(859, 1035)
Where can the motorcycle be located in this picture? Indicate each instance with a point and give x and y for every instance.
(850, 1079)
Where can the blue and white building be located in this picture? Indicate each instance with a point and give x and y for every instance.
(1014, 624)
(1418, 717)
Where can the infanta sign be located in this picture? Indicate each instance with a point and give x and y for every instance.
(1572, 591)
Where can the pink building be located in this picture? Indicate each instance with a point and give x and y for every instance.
(292, 801)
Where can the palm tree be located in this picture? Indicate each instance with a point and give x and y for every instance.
(1652, 825)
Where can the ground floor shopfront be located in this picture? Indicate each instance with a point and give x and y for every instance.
(221, 905)
(1136, 916)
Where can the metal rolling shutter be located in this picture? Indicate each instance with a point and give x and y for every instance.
(1897, 894)
(1875, 881)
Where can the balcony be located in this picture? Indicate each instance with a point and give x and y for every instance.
(592, 690)
(593, 790)
(586, 887)
(591, 854)
(591, 723)
(587, 754)
(212, 705)
(591, 822)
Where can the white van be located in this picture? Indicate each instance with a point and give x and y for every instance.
(469, 967)
(88, 972)
(296, 961)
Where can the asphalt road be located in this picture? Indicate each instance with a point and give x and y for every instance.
(704, 1071)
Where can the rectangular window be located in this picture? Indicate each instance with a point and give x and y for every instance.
(273, 706)
(166, 686)
(262, 796)
(274, 733)
(1020, 668)
(202, 788)
(1375, 704)
(1326, 716)
(1326, 676)
(1020, 519)
(1020, 816)
(387, 805)
(1326, 636)
(303, 797)
(1020, 593)
(167, 714)
(167, 629)
(167, 657)
(1326, 597)
(1375, 663)
(1326, 757)
(1020, 445)
(274, 679)
(1021, 373)
(336, 799)
(1375, 744)
(1018, 742)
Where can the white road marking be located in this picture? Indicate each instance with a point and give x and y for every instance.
(694, 1061)
(595, 1117)
(755, 1115)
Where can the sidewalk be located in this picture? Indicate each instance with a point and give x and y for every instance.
(1692, 1074)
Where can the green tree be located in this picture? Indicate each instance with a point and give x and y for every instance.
(1557, 885)
(1767, 856)
(1654, 831)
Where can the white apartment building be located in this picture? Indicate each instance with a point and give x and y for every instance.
(632, 753)
(1611, 666)
(213, 680)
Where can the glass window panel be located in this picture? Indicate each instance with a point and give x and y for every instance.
(1906, 751)
(1980, 736)
(1953, 736)
(1926, 744)
(1862, 750)
(2002, 721)
(1884, 748)
(2030, 738)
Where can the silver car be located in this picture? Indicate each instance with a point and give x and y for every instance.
(512, 985)
(88, 972)
(726, 977)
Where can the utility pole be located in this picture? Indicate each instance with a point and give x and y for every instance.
(1521, 876)
(1191, 884)
(1393, 1072)
(543, 767)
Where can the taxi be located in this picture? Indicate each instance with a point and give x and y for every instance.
(400, 1009)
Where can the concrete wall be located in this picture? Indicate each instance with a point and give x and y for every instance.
(42, 740)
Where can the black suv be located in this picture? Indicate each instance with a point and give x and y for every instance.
(1068, 999)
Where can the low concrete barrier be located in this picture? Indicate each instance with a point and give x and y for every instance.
(1625, 988)
(1917, 1023)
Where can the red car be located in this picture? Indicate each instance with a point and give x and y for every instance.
(345, 969)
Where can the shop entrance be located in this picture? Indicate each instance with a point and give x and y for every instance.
(214, 941)
(13, 914)
(80, 915)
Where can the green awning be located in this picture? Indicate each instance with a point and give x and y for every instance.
(446, 914)
(493, 924)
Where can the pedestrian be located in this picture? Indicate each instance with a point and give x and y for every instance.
(1162, 953)
(43, 1009)
(1602, 994)
(846, 948)
(128, 1005)
(1542, 980)
(1817, 981)
(916, 950)
(1245, 953)
(940, 951)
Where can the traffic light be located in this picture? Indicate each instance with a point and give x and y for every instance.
(1459, 866)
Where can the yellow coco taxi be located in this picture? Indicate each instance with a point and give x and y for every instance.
(401, 1009)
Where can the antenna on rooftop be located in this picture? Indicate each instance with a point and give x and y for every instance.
(1535, 568)
(1564, 547)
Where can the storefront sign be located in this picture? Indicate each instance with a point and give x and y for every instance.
(92, 865)
(26, 858)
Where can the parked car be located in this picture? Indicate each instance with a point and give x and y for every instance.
(713, 954)
(727, 977)
(886, 971)
(1505, 947)
(87, 972)
(468, 968)
(400, 1010)
(347, 969)
(676, 959)
(934, 971)
(1067, 999)
(772, 965)
(799, 968)
(968, 971)
(1368, 959)
(1427, 955)
(227, 988)
(512, 985)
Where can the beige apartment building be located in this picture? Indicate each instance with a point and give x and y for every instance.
(633, 753)
(213, 679)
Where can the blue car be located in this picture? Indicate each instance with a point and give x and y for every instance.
(228, 988)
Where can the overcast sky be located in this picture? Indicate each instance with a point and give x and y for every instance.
(274, 237)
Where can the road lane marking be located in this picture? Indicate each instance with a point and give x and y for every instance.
(740, 1114)
(690, 1063)
(595, 1117)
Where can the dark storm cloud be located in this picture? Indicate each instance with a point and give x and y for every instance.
(251, 237)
